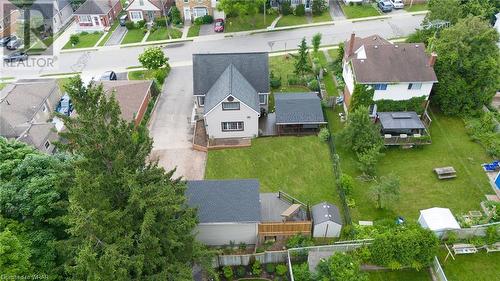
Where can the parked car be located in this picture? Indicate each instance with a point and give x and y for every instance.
(219, 25)
(385, 6)
(123, 20)
(14, 44)
(5, 39)
(397, 4)
(108, 76)
(15, 56)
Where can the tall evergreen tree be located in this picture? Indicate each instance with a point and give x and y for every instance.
(128, 218)
(302, 65)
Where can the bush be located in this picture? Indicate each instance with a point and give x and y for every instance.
(346, 183)
(298, 241)
(228, 272)
(318, 7)
(242, 246)
(313, 85)
(300, 10)
(301, 272)
(256, 268)
(74, 39)
(414, 104)
(84, 33)
(281, 269)
(275, 82)
(482, 130)
(241, 271)
(286, 8)
(206, 19)
(297, 81)
(160, 22)
(324, 134)
(175, 15)
(130, 25)
(141, 23)
(270, 268)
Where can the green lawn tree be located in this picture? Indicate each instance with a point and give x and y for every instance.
(340, 266)
(316, 42)
(447, 10)
(153, 58)
(318, 7)
(302, 66)
(385, 191)
(361, 96)
(128, 218)
(467, 66)
(14, 255)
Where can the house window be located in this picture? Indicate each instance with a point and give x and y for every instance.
(231, 105)
(262, 99)
(232, 126)
(199, 12)
(85, 19)
(414, 86)
(380, 87)
(136, 15)
(47, 144)
(201, 100)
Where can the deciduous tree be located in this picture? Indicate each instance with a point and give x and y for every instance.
(153, 58)
(361, 96)
(316, 42)
(385, 191)
(340, 266)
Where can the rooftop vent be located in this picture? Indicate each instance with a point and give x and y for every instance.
(401, 115)
(376, 47)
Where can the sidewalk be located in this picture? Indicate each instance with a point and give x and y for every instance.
(63, 38)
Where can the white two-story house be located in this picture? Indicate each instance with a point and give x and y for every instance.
(398, 71)
(231, 91)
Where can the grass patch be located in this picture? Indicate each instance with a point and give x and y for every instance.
(325, 16)
(420, 188)
(283, 66)
(141, 75)
(133, 36)
(109, 33)
(194, 30)
(300, 166)
(330, 86)
(359, 11)
(61, 82)
(159, 34)
(243, 23)
(480, 266)
(86, 41)
(290, 20)
(2, 85)
(416, 7)
(333, 53)
(399, 275)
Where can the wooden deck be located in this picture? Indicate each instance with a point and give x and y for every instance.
(285, 228)
(406, 140)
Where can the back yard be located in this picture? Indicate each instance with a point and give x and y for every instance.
(400, 275)
(300, 166)
(472, 267)
(420, 187)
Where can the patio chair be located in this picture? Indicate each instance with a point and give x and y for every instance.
(490, 168)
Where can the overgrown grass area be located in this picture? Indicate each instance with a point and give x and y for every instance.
(87, 40)
(243, 23)
(420, 188)
(133, 36)
(141, 75)
(290, 20)
(325, 16)
(359, 11)
(416, 7)
(194, 30)
(400, 275)
(473, 267)
(299, 166)
(109, 33)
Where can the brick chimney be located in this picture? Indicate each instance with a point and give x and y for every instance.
(350, 49)
(432, 59)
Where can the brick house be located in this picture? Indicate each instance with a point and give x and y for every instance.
(97, 15)
(192, 9)
(148, 10)
(9, 15)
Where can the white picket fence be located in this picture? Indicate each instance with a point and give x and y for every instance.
(438, 270)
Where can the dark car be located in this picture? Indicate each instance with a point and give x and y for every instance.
(5, 39)
(108, 76)
(385, 6)
(219, 25)
(123, 20)
(14, 43)
(15, 56)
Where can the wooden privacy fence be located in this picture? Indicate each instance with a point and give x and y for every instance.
(474, 231)
(265, 257)
(285, 228)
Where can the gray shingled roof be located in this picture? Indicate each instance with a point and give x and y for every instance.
(207, 68)
(225, 200)
(231, 82)
(400, 120)
(298, 108)
(95, 7)
(325, 211)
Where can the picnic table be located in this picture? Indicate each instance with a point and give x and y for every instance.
(464, 249)
(445, 172)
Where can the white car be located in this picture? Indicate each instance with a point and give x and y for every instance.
(397, 4)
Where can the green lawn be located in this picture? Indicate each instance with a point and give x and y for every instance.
(330, 86)
(472, 267)
(283, 66)
(359, 11)
(290, 20)
(2, 85)
(86, 40)
(133, 36)
(420, 189)
(242, 23)
(109, 33)
(400, 275)
(162, 34)
(194, 30)
(333, 53)
(416, 7)
(300, 166)
(140, 75)
(325, 16)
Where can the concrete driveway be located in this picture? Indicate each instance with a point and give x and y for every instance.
(117, 36)
(171, 130)
(207, 29)
(336, 11)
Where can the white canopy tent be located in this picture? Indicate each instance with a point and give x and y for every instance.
(438, 220)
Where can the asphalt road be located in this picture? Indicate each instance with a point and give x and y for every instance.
(118, 59)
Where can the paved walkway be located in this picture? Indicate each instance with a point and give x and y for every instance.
(117, 36)
(185, 31)
(275, 22)
(309, 18)
(336, 11)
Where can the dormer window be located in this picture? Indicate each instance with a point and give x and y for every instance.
(231, 105)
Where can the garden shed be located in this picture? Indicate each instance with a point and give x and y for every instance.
(438, 220)
(327, 220)
(298, 113)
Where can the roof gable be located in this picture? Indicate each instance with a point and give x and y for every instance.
(95, 7)
(148, 5)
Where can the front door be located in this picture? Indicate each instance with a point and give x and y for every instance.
(308, 4)
(151, 15)
(96, 21)
(187, 14)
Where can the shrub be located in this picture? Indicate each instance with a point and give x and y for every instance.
(160, 22)
(256, 268)
(274, 82)
(298, 240)
(414, 104)
(141, 23)
(130, 25)
(270, 268)
(84, 33)
(300, 10)
(318, 7)
(286, 8)
(301, 272)
(346, 183)
(241, 271)
(242, 246)
(324, 134)
(313, 85)
(208, 19)
(482, 130)
(175, 15)
(228, 272)
(74, 39)
(316, 41)
(281, 269)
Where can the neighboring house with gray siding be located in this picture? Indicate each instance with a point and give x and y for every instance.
(26, 113)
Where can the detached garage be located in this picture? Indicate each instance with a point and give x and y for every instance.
(438, 220)
(228, 210)
(327, 220)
